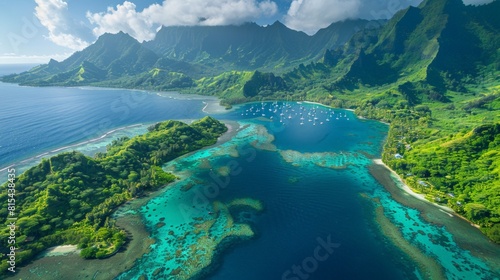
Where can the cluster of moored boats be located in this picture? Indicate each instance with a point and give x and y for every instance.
(288, 111)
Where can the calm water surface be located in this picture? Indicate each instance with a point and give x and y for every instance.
(310, 182)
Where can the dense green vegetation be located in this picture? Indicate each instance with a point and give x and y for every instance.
(431, 72)
(448, 154)
(439, 91)
(68, 198)
(460, 170)
(179, 55)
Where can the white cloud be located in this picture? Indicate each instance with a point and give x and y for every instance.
(215, 12)
(311, 15)
(124, 18)
(53, 15)
(142, 25)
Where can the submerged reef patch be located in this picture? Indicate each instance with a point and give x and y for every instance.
(257, 135)
(263, 139)
(326, 159)
(428, 267)
(193, 251)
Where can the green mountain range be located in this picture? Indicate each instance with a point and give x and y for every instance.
(432, 71)
(178, 55)
(442, 44)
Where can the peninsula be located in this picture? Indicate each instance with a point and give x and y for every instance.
(68, 198)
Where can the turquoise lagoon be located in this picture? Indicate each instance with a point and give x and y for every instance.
(311, 180)
(257, 206)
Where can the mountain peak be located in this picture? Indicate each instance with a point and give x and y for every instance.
(52, 62)
(278, 24)
(116, 36)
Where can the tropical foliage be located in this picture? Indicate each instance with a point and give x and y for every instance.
(68, 198)
(431, 71)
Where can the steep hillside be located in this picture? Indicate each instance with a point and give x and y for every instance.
(438, 47)
(110, 57)
(250, 46)
(432, 71)
(189, 52)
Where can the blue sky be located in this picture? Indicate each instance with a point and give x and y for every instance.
(33, 31)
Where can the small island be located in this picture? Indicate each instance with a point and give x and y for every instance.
(69, 198)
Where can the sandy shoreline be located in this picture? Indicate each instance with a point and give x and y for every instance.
(232, 129)
(64, 261)
(61, 250)
(464, 233)
(70, 266)
(408, 190)
(67, 263)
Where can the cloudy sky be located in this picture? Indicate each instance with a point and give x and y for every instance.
(35, 31)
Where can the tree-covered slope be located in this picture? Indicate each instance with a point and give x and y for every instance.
(432, 72)
(441, 43)
(250, 46)
(110, 57)
(68, 198)
(195, 52)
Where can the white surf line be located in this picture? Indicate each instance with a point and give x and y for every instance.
(70, 146)
(10, 166)
(91, 140)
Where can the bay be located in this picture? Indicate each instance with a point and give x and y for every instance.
(316, 189)
(311, 176)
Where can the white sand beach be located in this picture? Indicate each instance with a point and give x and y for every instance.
(403, 186)
(60, 250)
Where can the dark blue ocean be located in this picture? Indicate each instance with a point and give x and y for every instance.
(307, 165)
(35, 120)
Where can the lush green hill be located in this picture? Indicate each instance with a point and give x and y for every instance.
(442, 43)
(250, 46)
(179, 55)
(461, 170)
(432, 71)
(110, 57)
(68, 198)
